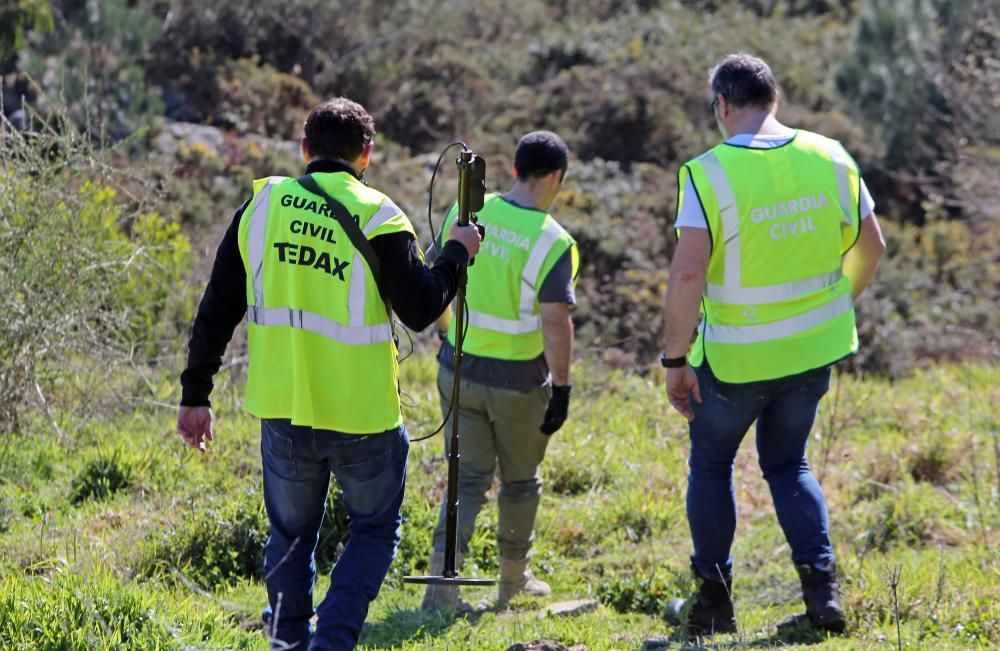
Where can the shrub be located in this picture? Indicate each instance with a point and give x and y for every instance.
(89, 276)
(934, 298)
(642, 594)
(256, 98)
(214, 546)
(102, 477)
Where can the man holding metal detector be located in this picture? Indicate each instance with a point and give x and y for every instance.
(317, 265)
(777, 237)
(514, 375)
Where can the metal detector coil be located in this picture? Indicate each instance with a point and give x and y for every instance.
(471, 195)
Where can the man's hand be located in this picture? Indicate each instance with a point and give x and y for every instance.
(558, 409)
(467, 235)
(682, 384)
(194, 424)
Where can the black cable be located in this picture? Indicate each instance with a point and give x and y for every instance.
(465, 301)
(430, 189)
(451, 407)
(409, 338)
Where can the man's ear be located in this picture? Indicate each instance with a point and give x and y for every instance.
(304, 149)
(725, 108)
(364, 159)
(513, 171)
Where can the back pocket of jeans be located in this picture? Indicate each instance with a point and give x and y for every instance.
(365, 458)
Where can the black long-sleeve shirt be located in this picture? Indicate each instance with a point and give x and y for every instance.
(418, 294)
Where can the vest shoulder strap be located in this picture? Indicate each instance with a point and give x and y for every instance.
(354, 233)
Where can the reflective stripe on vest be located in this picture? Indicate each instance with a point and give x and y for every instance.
(730, 216)
(258, 227)
(842, 166)
(753, 334)
(528, 321)
(312, 322)
(771, 293)
(355, 334)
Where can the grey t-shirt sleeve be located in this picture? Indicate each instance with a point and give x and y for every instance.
(557, 287)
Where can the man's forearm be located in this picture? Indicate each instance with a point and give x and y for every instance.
(557, 333)
(681, 313)
(685, 289)
(860, 271)
(861, 261)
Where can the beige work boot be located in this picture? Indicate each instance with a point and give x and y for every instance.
(443, 597)
(515, 577)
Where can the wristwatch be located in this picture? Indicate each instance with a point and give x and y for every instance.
(672, 362)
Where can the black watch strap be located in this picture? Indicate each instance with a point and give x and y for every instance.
(672, 362)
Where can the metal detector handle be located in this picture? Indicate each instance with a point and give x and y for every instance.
(471, 190)
(471, 185)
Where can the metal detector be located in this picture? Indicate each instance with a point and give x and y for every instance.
(471, 192)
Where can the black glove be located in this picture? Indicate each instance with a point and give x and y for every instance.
(558, 409)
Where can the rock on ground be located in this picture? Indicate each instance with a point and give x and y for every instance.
(569, 608)
(545, 645)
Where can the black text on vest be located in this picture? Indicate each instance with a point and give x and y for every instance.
(307, 256)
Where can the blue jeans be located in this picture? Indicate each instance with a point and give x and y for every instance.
(784, 410)
(371, 471)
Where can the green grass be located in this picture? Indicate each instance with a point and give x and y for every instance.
(113, 535)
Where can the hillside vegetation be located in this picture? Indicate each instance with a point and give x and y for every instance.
(130, 132)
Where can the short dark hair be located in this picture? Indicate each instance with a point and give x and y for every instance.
(744, 80)
(540, 153)
(338, 129)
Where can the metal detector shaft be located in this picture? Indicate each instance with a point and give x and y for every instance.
(470, 170)
(451, 517)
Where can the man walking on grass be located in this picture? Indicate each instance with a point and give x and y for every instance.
(777, 237)
(515, 384)
(311, 263)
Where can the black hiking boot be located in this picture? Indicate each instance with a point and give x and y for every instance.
(821, 594)
(708, 611)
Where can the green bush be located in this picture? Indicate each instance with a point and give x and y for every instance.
(256, 98)
(102, 477)
(642, 594)
(89, 277)
(934, 297)
(90, 65)
(215, 546)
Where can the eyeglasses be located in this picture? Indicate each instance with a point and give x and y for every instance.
(715, 104)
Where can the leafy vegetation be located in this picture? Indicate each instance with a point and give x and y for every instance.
(910, 97)
(131, 131)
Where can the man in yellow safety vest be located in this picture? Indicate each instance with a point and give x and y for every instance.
(777, 237)
(515, 384)
(314, 264)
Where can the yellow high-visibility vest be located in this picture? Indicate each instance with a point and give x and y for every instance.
(776, 302)
(521, 247)
(321, 345)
